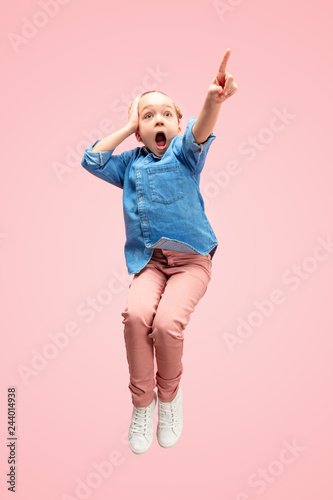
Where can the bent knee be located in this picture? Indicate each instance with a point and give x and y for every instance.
(138, 316)
(164, 326)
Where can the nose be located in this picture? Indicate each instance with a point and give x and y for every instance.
(159, 119)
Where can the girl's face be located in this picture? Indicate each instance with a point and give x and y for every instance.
(158, 122)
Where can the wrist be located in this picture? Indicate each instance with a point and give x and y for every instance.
(211, 103)
(130, 129)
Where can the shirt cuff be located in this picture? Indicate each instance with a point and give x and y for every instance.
(197, 148)
(96, 157)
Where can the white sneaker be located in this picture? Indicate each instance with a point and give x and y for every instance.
(140, 433)
(170, 420)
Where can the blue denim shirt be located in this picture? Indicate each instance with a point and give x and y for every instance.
(162, 203)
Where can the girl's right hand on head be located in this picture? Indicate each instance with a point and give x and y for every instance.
(133, 114)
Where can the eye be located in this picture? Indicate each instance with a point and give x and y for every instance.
(148, 114)
(168, 112)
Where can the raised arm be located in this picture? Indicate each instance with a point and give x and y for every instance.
(222, 87)
(113, 140)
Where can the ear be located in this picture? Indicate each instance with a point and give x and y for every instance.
(138, 137)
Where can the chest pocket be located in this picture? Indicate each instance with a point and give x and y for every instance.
(165, 183)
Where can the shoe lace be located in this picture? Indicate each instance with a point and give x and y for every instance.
(140, 420)
(168, 416)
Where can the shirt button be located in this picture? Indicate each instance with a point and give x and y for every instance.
(138, 174)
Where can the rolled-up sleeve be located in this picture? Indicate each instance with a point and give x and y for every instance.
(107, 166)
(193, 154)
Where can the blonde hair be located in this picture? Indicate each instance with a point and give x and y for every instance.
(179, 113)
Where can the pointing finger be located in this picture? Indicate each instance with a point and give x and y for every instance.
(223, 65)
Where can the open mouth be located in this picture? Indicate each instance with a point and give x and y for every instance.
(160, 140)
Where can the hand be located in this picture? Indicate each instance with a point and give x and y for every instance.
(133, 114)
(223, 86)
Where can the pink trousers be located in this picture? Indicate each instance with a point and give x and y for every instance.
(160, 300)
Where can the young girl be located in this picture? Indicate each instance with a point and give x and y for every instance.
(169, 245)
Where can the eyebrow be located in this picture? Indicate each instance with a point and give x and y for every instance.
(165, 105)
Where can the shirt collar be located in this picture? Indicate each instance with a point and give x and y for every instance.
(145, 152)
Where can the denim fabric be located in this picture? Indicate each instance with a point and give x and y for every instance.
(162, 204)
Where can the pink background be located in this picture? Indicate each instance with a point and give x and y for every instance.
(62, 239)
